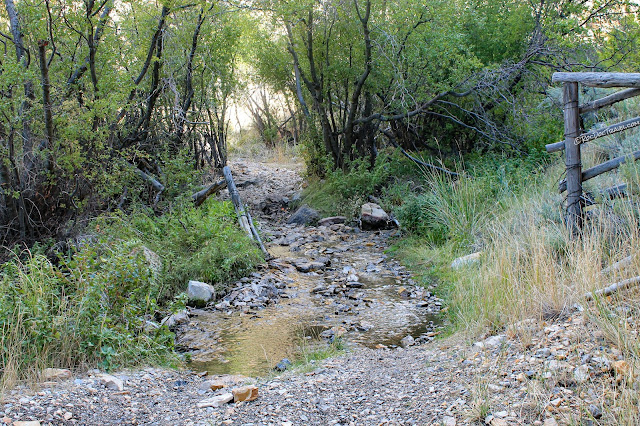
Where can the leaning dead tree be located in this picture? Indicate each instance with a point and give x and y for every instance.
(244, 217)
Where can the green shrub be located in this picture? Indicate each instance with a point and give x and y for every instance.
(203, 243)
(98, 305)
(91, 308)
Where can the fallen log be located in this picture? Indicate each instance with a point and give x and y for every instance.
(620, 264)
(155, 183)
(609, 290)
(200, 196)
(244, 217)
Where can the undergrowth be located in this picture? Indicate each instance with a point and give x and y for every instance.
(101, 302)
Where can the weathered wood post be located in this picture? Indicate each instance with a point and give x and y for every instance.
(573, 161)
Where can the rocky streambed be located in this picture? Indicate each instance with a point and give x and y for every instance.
(334, 281)
(324, 283)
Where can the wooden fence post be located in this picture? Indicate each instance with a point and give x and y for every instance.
(573, 161)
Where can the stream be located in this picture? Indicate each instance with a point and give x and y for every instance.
(324, 283)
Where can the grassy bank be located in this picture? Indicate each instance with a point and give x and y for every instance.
(100, 302)
(530, 266)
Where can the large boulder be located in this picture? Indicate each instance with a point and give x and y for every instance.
(373, 217)
(305, 215)
(200, 293)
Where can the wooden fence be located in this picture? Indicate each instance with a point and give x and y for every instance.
(574, 137)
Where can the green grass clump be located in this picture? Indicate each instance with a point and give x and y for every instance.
(90, 309)
(203, 244)
(343, 192)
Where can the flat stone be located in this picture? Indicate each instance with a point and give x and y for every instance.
(111, 382)
(309, 266)
(213, 385)
(216, 401)
(581, 374)
(52, 374)
(449, 421)
(27, 423)
(333, 220)
(245, 393)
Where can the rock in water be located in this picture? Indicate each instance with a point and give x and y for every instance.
(200, 293)
(333, 220)
(245, 393)
(305, 215)
(373, 217)
(179, 318)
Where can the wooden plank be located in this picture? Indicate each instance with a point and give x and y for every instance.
(598, 79)
(573, 161)
(617, 191)
(609, 100)
(609, 130)
(614, 163)
(607, 166)
(595, 134)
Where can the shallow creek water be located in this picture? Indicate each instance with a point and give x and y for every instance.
(251, 342)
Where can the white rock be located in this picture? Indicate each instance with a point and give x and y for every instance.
(491, 342)
(373, 217)
(111, 382)
(178, 318)
(56, 374)
(216, 401)
(407, 341)
(581, 373)
(449, 421)
(469, 259)
(200, 291)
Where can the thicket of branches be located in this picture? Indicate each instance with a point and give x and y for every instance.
(441, 76)
(104, 102)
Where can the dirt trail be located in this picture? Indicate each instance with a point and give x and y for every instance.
(534, 373)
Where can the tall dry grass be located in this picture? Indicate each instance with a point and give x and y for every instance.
(532, 267)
